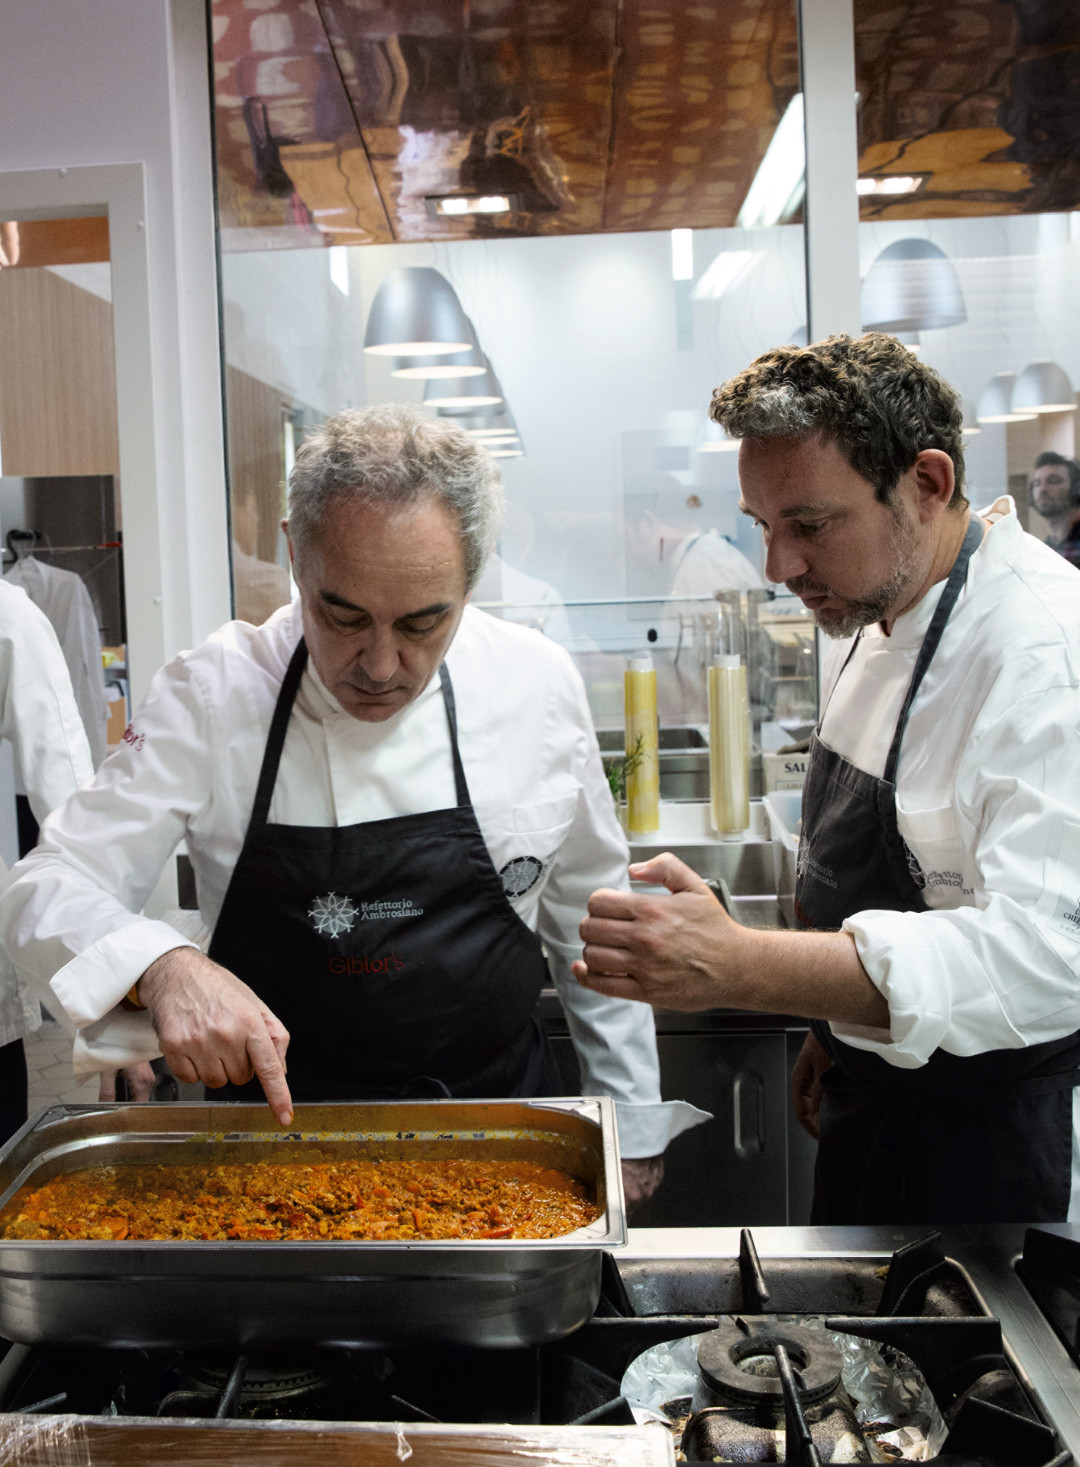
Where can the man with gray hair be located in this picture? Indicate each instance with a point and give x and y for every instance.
(390, 801)
(937, 876)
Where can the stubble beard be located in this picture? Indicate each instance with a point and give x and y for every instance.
(895, 591)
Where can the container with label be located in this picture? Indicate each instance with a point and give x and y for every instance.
(642, 747)
(729, 746)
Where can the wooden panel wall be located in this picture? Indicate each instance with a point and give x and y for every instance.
(256, 461)
(57, 378)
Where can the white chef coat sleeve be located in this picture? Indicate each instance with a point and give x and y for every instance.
(38, 712)
(1000, 973)
(615, 1039)
(69, 911)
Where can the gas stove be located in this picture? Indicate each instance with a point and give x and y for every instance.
(987, 1315)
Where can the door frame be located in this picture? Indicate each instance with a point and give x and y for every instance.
(117, 191)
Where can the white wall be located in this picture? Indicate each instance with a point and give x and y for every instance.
(87, 82)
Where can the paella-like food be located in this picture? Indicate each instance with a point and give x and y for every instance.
(296, 1201)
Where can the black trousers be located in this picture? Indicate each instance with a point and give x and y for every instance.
(12, 1088)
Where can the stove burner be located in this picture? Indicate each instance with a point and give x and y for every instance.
(738, 1361)
(267, 1378)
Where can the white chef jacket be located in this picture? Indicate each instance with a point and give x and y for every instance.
(188, 767)
(38, 715)
(706, 563)
(988, 800)
(63, 597)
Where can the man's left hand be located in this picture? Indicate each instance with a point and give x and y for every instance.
(641, 1175)
(667, 951)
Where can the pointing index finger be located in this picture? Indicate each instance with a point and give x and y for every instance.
(268, 1067)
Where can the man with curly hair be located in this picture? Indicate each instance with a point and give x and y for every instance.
(938, 883)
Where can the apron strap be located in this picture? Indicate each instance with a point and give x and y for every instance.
(275, 743)
(461, 785)
(953, 586)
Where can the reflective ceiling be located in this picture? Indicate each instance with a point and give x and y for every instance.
(347, 121)
(344, 121)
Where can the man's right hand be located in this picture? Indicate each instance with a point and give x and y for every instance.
(806, 1073)
(213, 1028)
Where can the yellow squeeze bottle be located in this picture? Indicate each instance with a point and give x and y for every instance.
(643, 737)
(729, 746)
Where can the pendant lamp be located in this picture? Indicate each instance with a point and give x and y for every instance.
(1043, 387)
(489, 425)
(995, 401)
(416, 312)
(912, 286)
(465, 392)
(469, 363)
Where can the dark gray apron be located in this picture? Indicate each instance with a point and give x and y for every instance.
(986, 1138)
(388, 949)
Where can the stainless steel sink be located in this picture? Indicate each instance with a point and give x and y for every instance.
(613, 740)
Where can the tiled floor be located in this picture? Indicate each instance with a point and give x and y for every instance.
(48, 1067)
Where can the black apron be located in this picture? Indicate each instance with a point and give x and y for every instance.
(987, 1138)
(388, 949)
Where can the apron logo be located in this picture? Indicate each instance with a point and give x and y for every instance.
(520, 875)
(392, 963)
(382, 911)
(333, 914)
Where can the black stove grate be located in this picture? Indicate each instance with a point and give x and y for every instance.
(920, 1306)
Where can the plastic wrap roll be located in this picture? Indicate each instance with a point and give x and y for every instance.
(729, 746)
(643, 740)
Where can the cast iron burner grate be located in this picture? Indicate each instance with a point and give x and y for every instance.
(991, 1422)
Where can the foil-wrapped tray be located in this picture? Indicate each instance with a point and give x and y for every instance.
(500, 1293)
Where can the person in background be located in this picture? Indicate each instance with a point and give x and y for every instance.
(395, 809)
(1055, 495)
(938, 861)
(52, 758)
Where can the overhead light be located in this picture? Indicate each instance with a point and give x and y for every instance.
(507, 452)
(465, 392)
(486, 434)
(970, 424)
(469, 363)
(1043, 387)
(891, 183)
(912, 286)
(682, 254)
(729, 266)
(995, 401)
(780, 182)
(416, 312)
(451, 204)
(713, 439)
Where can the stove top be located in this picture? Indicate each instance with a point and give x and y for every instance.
(988, 1316)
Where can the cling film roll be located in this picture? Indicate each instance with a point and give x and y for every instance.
(642, 747)
(729, 747)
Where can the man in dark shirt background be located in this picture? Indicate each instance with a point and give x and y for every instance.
(1055, 494)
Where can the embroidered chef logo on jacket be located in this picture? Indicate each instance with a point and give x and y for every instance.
(333, 915)
(915, 871)
(520, 875)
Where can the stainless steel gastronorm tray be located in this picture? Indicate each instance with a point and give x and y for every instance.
(499, 1293)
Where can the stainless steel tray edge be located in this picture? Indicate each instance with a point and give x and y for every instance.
(502, 1293)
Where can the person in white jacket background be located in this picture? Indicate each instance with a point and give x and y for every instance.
(39, 716)
(395, 809)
